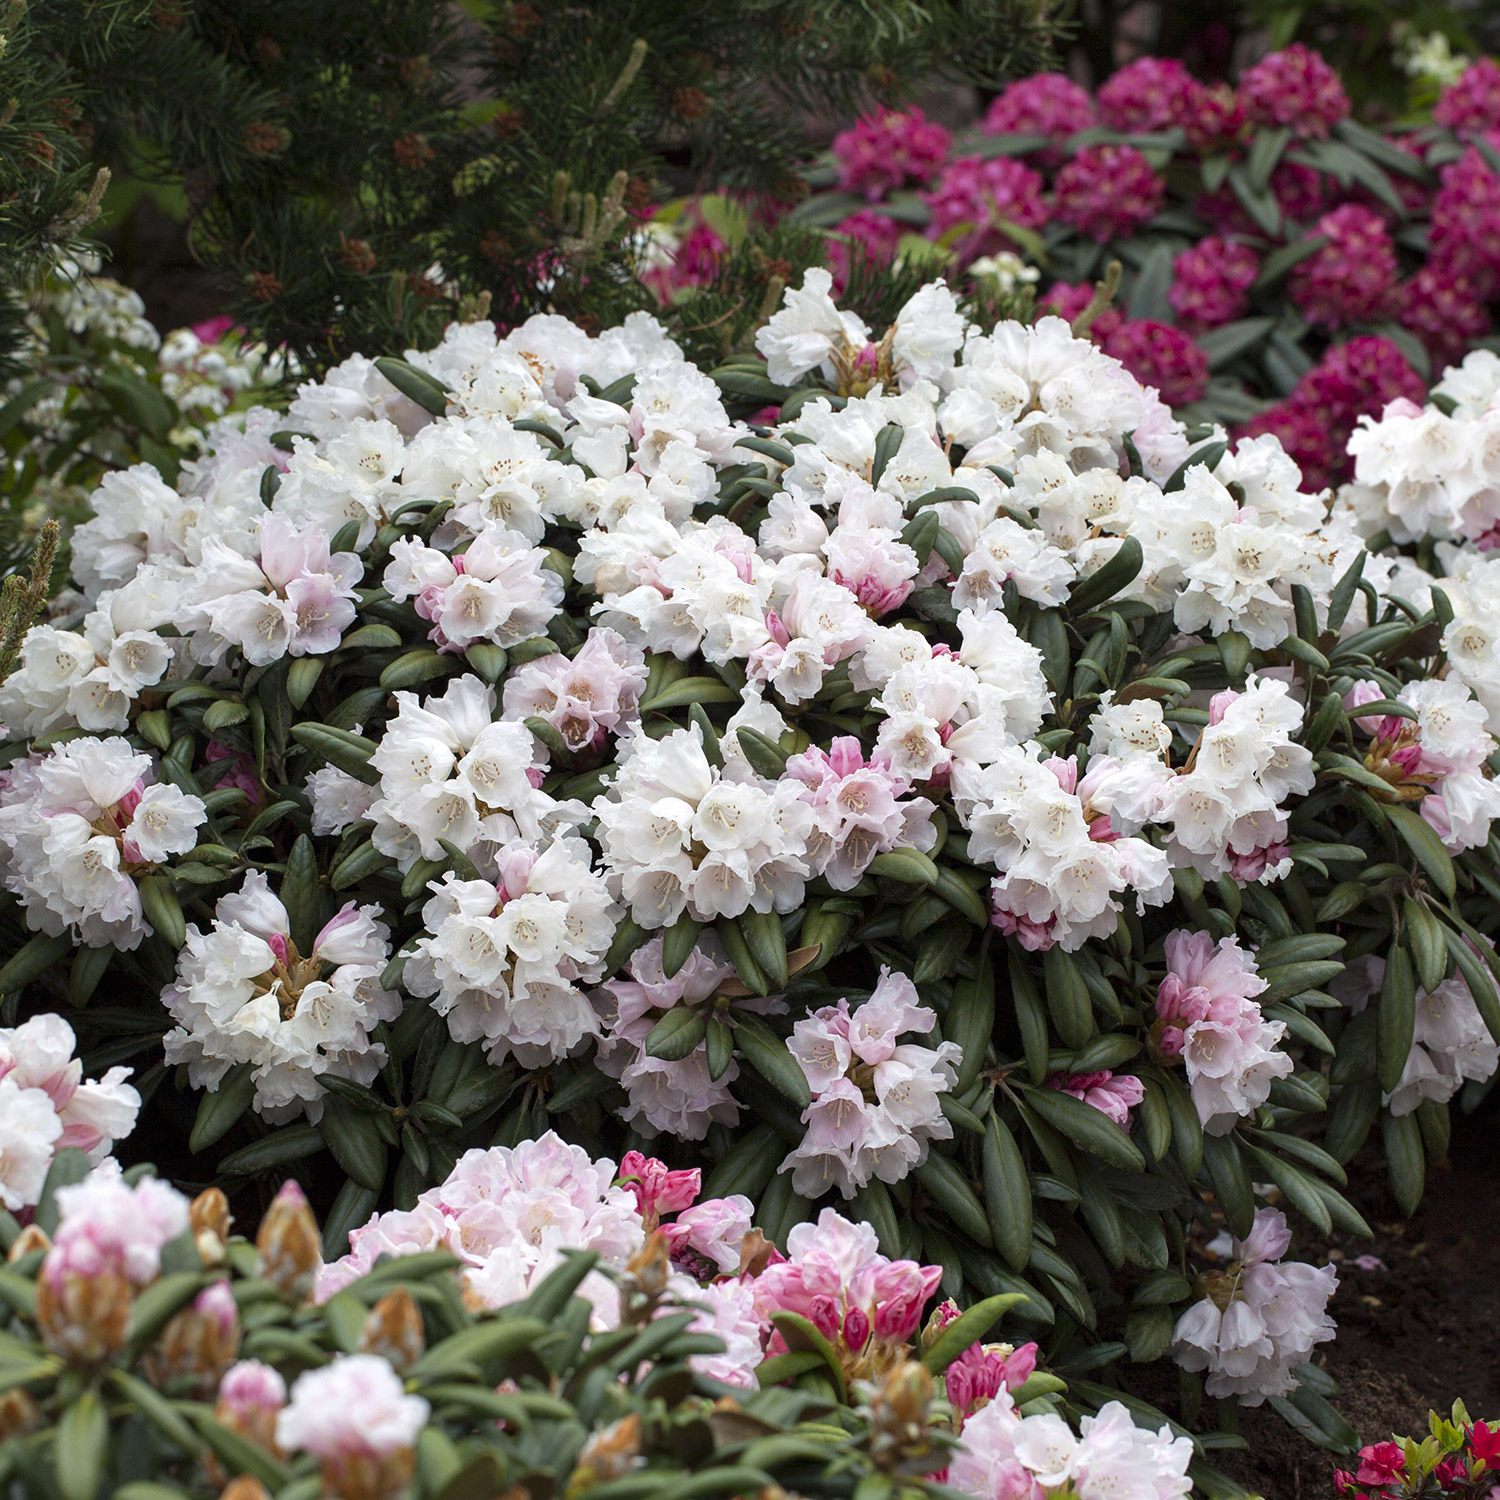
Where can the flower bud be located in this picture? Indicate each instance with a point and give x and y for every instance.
(250, 1396)
(198, 1343)
(608, 1455)
(394, 1330)
(18, 1414)
(246, 1487)
(83, 1319)
(856, 1328)
(209, 1218)
(942, 1315)
(900, 1441)
(290, 1252)
(32, 1237)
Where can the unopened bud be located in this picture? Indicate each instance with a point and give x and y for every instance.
(246, 1487)
(199, 1343)
(608, 1454)
(18, 1414)
(645, 1279)
(32, 1237)
(907, 1392)
(900, 1439)
(942, 1315)
(394, 1330)
(83, 1319)
(290, 1253)
(210, 1219)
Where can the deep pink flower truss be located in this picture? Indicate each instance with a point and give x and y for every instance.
(1350, 279)
(1211, 282)
(1315, 421)
(986, 192)
(1152, 93)
(877, 234)
(1472, 104)
(881, 152)
(1066, 299)
(1294, 87)
(1107, 191)
(1444, 310)
(1162, 356)
(1465, 234)
(1214, 118)
(1047, 104)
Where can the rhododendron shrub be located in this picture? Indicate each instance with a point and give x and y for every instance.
(1260, 228)
(903, 818)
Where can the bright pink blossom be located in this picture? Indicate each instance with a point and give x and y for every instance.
(1211, 281)
(1149, 94)
(985, 193)
(1113, 1095)
(1471, 105)
(1106, 192)
(1162, 356)
(658, 1190)
(1294, 87)
(883, 151)
(1351, 278)
(1046, 104)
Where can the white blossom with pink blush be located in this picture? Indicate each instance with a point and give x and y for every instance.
(297, 600)
(586, 697)
(93, 1113)
(498, 590)
(77, 825)
(107, 1226)
(357, 1406)
(1207, 1015)
(728, 1310)
(874, 1098)
(508, 1215)
(1438, 759)
(1259, 1318)
(1002, 1455)
(835, 1277)
(506, 962)
(861, 808)
(678, 835)
(1225, 807)
(244, 994)
(250, 1387)
(680, 1097)
(1064, 865)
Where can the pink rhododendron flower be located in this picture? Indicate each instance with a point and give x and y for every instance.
(881, 152)
(1294, 87)
(1105, 192)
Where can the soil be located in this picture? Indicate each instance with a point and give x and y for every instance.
(1414, 1334)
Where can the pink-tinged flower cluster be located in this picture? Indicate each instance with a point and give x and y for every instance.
(46, 1106)
(1352, 277)
(1438, 759)
(884, 151)
(983, 195)
(1151, 93)
(1294, 87)
(864, 233)
(247, 1389)
(1049, 104)
(982, 1371)
(1259, 1318)
(1315, 422)
(1471, 105)
(1112, 1094)
(860, 809)
(586, 697)
(835, 1276)
(874, 1098)
(1465, 230)
(1106, 192)
(1214, 119)
(1162, 356)
(680, 1096)
(497, 591)
(1207, 1016)
(108, 1227)
(1211, 282)
(1443, 308)
(1004, 1456)
(657, 1189)
(355, 1407)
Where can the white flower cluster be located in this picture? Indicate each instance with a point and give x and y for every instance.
(875, 1098)
(78, 826)
(244, 994)
(1259, 1318)
(504, 961)
(1433, 470)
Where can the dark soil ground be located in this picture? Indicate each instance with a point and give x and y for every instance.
(1414, 1335)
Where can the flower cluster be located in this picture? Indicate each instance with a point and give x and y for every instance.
(1458, 1456)
(47, 1106)
(80, 827)
(1208, 1017)
(1003, 1455)
(244, 994)
(886, 150)
(1258, 1318)
(874, 1098)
